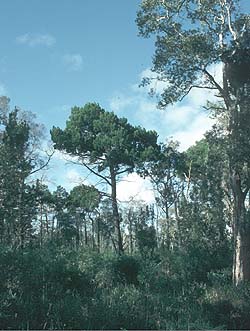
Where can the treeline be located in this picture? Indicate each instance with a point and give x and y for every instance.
(83, 260)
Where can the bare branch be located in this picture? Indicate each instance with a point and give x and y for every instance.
(217, 85)
(124, 170)
(197, 86)
(95, 172)
(44, 165)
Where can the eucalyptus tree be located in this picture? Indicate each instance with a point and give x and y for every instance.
(206, 216)
(166, 174)
(106, 145)
(191, 36)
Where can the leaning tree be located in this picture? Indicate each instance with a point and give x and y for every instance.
(106, 145)
(191, 37)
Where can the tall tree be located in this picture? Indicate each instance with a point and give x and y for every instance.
(20, 139)
(106, 145)
(191, 36)
(45, 211)
(206, 216)
(83, 200)
(165, 174)
(14, 169)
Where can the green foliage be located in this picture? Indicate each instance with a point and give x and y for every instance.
(103, 137)
(52, 279)
(190, 35)
(84, 197)
(16, 197)
(61, 288)
(146, 239)
(228, 306)
(126, 269)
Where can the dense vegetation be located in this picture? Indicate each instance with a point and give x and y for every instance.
(83, 260)
(61, 266)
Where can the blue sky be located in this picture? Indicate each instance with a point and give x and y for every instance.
(59, 53)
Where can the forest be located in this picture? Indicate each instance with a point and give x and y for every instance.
(82, 259)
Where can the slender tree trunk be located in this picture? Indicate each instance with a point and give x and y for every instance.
(93, 232)
(116, 215)
(98, 235)
(53, 226)
(168, 240)
(85, 231)
(77, 234)
(47, 223)
(177, 222)
(130, 220)
(41, 224)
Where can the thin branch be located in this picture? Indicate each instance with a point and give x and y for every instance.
(197, 86)
(95, 172)
(44, 165)
(124, 170)
(217, 85)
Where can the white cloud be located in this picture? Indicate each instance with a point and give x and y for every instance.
(133, 187)
(73, 177)
(156, 84)
(36, 40)
(185, 121)
(195, 131)
(73, 62)
(61, 156)
(120, 102)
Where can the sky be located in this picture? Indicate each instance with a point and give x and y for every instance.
(56, 54)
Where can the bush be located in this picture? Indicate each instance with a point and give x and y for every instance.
(126, 269)
(228, 306)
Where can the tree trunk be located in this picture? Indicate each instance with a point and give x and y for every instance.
(85, 232)
(93, 232)
(241, 263)
(116, 215)
(241, 266)
(98, 235)
(237, 97)
(178, 231)
(41, 224)
(130, 220)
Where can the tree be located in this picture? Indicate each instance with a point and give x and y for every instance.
(61, 217)
(15, 167)
(191, 36)
(166, 176)
(106, 145)
(44, 206)
(82, 201)
(20, 139)
(205, 216)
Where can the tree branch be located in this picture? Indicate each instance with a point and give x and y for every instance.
(95, 172)
(197, 86)
(124, 170)
(234, 34)
(44, 165)
(218, 87)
